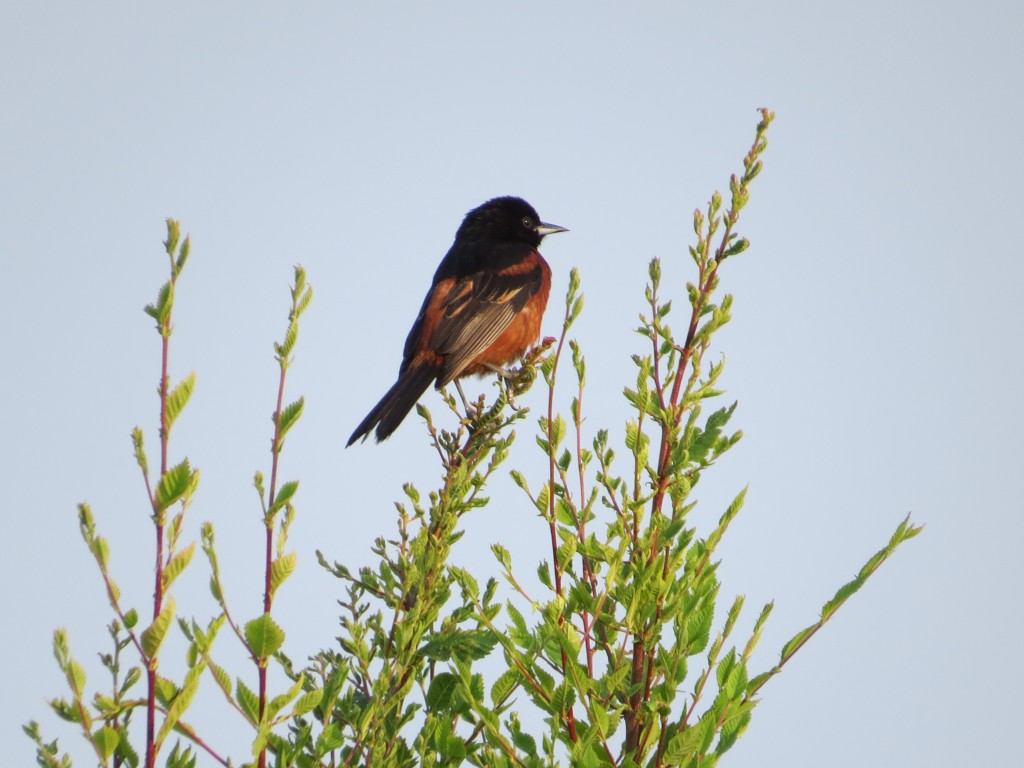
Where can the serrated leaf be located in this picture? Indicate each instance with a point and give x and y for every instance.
(178, 397)
(175, 483)
(153, 636)
(442, 688)
(503, 686)
(64, 710)
(542, 499)
(183, 252)
(125, 751)
(278, 703)
(222, 677)
(101, 551)
(632, 433)
(248, 701)
(133, 676)
(452, 746)
(798, 640)
(563, 698)
(841, 596)
(215, 590)
(525, 742)
(503, 556)
(75, 675)
(289, 415)
(739, 246)
(544, 574)
(303, 303)
(330, 738)
(105, 740)
(690, 741)
(177, 564)
(308, 702)
(460, 644)
(160, 309)
(165, 691)
(263, 636)
(281, 569)
(181, 702)
(564, 514)
(284, 495)
(260, 742)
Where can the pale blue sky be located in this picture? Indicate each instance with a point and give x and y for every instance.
(874, 350)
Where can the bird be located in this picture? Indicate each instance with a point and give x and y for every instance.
(482, 312)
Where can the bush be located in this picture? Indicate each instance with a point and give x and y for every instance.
(627, 658)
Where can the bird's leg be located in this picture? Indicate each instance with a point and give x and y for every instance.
(509, 377)
(462, 394)
(505, 373)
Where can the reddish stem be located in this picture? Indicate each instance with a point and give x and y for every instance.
(158, 521)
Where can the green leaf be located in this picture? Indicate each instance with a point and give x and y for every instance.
(502, 555)
(76, 676)
(563, 698)
(798, 640)
(308, 702)
(183, 252)
(690, 741)
(248, 701)
(290, 337)
(263, 636)
(600, 718)
(507, 682)
(525, 742)
(125, 751)
(841, 596)
(289, 415)
(460, 644)
(160, 310)
(544, 574)
(215, 590)
(278, 703)
(140, 453)
(451, 747)
(133, 676)
(442, 689)
(221, 676)
(755, 636)
(542, 498)
(173, 233)
(281, 569)
(329, 739)
(740, 245)
(175, 483)
(65, 710)
(153, 636)
(105, 740)
(180, 704)
(557, 430)
(178, 397)
(178, 564)
(284, 495)
(165, 691)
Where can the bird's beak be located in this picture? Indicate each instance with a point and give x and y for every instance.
(549, 229)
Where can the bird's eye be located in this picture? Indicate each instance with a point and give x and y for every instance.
(527, 222)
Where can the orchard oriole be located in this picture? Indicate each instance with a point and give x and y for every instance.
(483, 309)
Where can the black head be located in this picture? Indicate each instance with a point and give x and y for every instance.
(506, 219)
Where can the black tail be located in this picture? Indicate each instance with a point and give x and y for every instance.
(396, 404)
